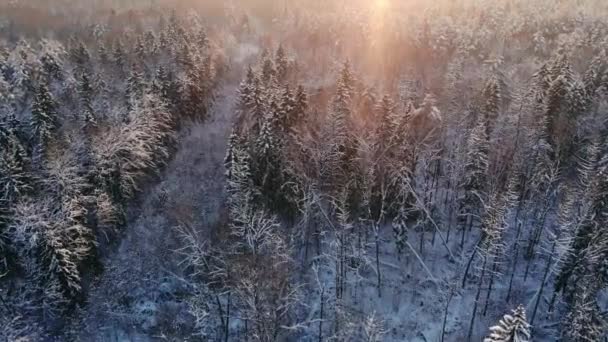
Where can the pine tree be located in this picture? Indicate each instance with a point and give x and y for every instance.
(67, 242)
(594, 73)
(566, 99)
(150, 42)
(387, 127)
(239, 177)
(102, 52)
(491, 107)
(584, 322)
(589, 242)
(15, 179)
(474, 181)
(165, 87)
(229, 159)
(281, 64)
(135, 87)
(86, 97)
(300, 105)
(511, 328)
(268, 158)
(246, 90)
(118, 54)
(80, 54)
(269, 72)
(51, 66)
(140, 49)
(257, 105)
(202, 39)
(400, 230)
(44, 116)
(286, 115)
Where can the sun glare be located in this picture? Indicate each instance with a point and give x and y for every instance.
(381, 4)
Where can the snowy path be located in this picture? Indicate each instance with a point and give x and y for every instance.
(137, 294)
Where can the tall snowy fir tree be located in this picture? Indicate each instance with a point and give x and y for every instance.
(44, 116)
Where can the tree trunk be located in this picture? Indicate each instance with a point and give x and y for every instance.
(494, 265)
(466, 270)
(483, 273)
(516, 248)
(445, 316)
(227, 332)
(542, 284)
(378, 263)
(321, 315)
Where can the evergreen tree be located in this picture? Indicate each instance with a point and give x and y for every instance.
(269, 72)
(202, 39)
(584, 322)
(80, 54)
(140, 49)
(118, 54)
(282, 64)
(245, 90)
(491, 107)
(594, 73)
(400, 230)
(86, 97)
(150, 42)
(102, 52)
(386, 129)
(287, 117)
(268, 158)
(229, 159)
(135, 87)
(257, 105)
(300, 105)
(165, 87)
(15, 179)
(511, 328)
(589, 242)
(44, 116)
(51, 66)
(474, 181)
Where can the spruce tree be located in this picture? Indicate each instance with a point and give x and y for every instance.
(150, 42)
(287, 117)
(86, 97)
(44, 116)
(584, 322)
(229, 159)
(387, 126)
(118, 54)
(268, 161)
(400, 230)
(51, 66)
(246, 90)
(135, 87)
(511, 328)
(269, 72)
(15, 179)
(140, 49)
(103, 54)
(281, 64)
(491, 106)
(594, 73)
(474, 180)
(80, 54)
(300, 105)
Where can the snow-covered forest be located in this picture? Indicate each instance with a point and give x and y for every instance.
(304, 170)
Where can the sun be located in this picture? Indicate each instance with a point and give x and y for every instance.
(381, 4)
